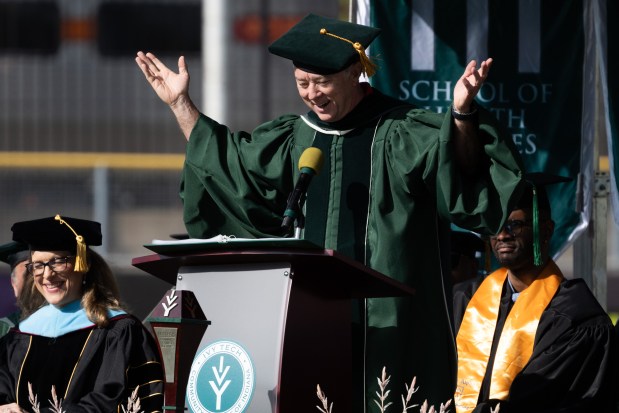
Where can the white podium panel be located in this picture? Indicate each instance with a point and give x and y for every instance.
(238, 362)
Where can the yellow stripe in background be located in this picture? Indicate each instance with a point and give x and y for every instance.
(604, 164)
(68, 160)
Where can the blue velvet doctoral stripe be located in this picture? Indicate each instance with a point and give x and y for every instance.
(51, 321)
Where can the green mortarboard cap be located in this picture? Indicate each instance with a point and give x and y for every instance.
(535, 198)
(324, 46)
(60, 234)
(13, 253)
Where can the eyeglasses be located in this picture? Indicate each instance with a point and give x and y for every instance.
(59, 264)
(514, 227)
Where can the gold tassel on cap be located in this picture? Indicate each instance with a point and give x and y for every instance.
(81, 262)
(369, 67)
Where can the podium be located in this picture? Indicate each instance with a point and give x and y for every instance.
(280, 313)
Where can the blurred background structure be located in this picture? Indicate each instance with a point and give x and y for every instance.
(82, 133)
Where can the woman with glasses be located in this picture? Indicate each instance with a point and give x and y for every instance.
(75, 345)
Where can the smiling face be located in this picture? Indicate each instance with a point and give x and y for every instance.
(59, 288)
(331, 97)
(514, 249)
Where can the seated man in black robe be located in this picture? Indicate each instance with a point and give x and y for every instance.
(16, 255)
(528, 339)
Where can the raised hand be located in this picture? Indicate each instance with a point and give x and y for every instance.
(469, 84)
(172, 88)
(169, 85)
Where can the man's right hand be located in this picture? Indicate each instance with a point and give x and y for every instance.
(172, 88)
(168, 85)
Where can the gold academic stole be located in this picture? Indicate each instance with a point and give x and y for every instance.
(516, 342)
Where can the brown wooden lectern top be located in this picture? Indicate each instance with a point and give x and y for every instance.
(356, 279)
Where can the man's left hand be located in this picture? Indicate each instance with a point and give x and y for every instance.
(469, 84)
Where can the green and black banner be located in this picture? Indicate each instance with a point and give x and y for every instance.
(539, 85)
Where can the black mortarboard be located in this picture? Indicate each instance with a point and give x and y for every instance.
(536, 185)
(466, 243)
(535, 198)
(60, 234)
(324, 46)
(13, 253)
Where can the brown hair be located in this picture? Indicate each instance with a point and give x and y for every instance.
(100, 292)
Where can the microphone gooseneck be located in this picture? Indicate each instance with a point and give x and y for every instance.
(310, 164)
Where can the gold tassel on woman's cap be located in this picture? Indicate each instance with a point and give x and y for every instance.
(81, 262)
(369, 67)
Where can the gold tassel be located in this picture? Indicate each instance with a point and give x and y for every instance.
(369, 67)
(81, 261)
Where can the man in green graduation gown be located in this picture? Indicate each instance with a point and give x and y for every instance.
(393, 179)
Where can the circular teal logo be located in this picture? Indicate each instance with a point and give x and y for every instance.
(221, 379)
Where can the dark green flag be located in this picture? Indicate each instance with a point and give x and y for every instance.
(535, 87)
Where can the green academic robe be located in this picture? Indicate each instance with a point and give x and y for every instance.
(8, 322)
(238, 183)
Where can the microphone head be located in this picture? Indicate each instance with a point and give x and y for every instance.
(311, 158)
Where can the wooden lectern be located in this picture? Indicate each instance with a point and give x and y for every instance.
(280, 313)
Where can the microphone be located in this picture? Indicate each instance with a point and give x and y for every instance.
(310, 164)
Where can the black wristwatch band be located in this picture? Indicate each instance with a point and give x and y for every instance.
(472, 115)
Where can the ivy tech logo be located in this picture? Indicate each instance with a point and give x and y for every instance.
(221, 379)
